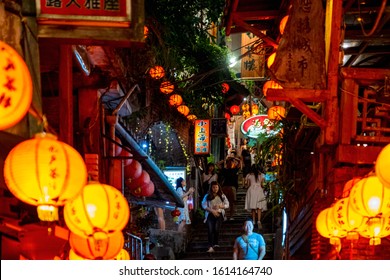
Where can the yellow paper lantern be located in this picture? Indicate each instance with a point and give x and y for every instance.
(382, 166)
(98, 210)
(183, 109)
(74, 257)
(370, 198)
(271, 59)
(376, 228)
(97, 249)
(348, 186)
(346, 218)
(175, 100)
(282, 24)
(245, 107)
(270, 84)
(157, 72)
(191, 117)
(246, 114)
(46, 173)
(326, 227)
(15, 87)
(276, 113)
(123, 255)
(167, 87)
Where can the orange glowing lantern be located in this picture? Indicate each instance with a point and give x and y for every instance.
(348, 186)
(270, 84)
(235, 109)
(15, 87)
(370, 198)
(167, 87)
(245, 107)
(271, 59)
(326, 227)
(376, 228)
(276, 113)
(157, 72)
(98, 211)
(255, 109)
(123, 255)
(97, 249)
(46, 173)
(175, 100)
(246, 114)
(382, 166)
(183, 109)
(346, 218)
(282, 24)
(225, 87)
(191, 117)
(227, 116)
(146, 31)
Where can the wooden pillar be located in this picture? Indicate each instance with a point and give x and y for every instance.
(66, 94)
(348, 114)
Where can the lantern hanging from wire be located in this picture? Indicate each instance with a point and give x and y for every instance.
(167, 87)
(276, 113)
(157, 72)
(346, 218)
(97, 249)
(46, 173)
(225, 87)
(15, 87)
(326, 227)
(175, 100)
(235, 110)
(282, 24)
(376, 229)
(270, 84)
(183, 109)
(370, 198)
(382, 166)
(98, 211)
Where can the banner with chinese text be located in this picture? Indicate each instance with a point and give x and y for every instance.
(202, 137)
(252, 64)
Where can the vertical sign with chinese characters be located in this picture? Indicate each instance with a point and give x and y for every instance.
(252, 64)
(202, 137)
(84, 10)
(300, 58)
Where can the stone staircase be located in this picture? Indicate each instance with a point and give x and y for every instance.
(197, 245)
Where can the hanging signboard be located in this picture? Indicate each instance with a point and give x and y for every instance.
(75, 12)
(252, 64)
(202, 137)
(256, 125)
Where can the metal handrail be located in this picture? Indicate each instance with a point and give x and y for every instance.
(134, 245)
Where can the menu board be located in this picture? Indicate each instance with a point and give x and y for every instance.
(202, 137)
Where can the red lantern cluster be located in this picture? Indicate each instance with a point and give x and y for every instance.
(138, 180)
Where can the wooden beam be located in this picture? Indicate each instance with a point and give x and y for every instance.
(348, 114)
(257, 15)
(357, 154)
(364, 73)
(255, 31)
(301, 106)
(66, 94)
(306, 95)
(230, 16)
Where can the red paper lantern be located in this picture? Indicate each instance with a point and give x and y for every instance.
(175, 214)
(183, 109)
(225, 87)
(132, 171)
(15, 87)
(143, 190)
(127, 157)
(175, 100)
(167, 87)
(157, 72)
(227, 116)
(235, 109)
(144, 178)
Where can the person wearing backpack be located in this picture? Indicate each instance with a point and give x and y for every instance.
(250, 245)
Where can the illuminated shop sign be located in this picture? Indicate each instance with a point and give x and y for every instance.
(202, 137)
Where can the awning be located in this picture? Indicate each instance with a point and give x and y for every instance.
(165, 195)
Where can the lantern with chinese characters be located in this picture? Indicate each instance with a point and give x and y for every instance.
(370, 198)
(276, 113)
(144, 178)
(98, 211)
(282, 24)
(132, 171)
(145, 190)
(123, 255)
(235, 109)
(183, 109)
(191, 117)
(157, 72)
(97, 249)
(346, 218)
(175, 100)
(328, 228)
(15, 87)
(225, 87)
(376, 228)
(270, 84)
(167, 87)
(271, 59)
(382, 166)
(175, 214)
(46, 173)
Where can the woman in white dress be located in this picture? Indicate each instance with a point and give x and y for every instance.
(255, 200)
